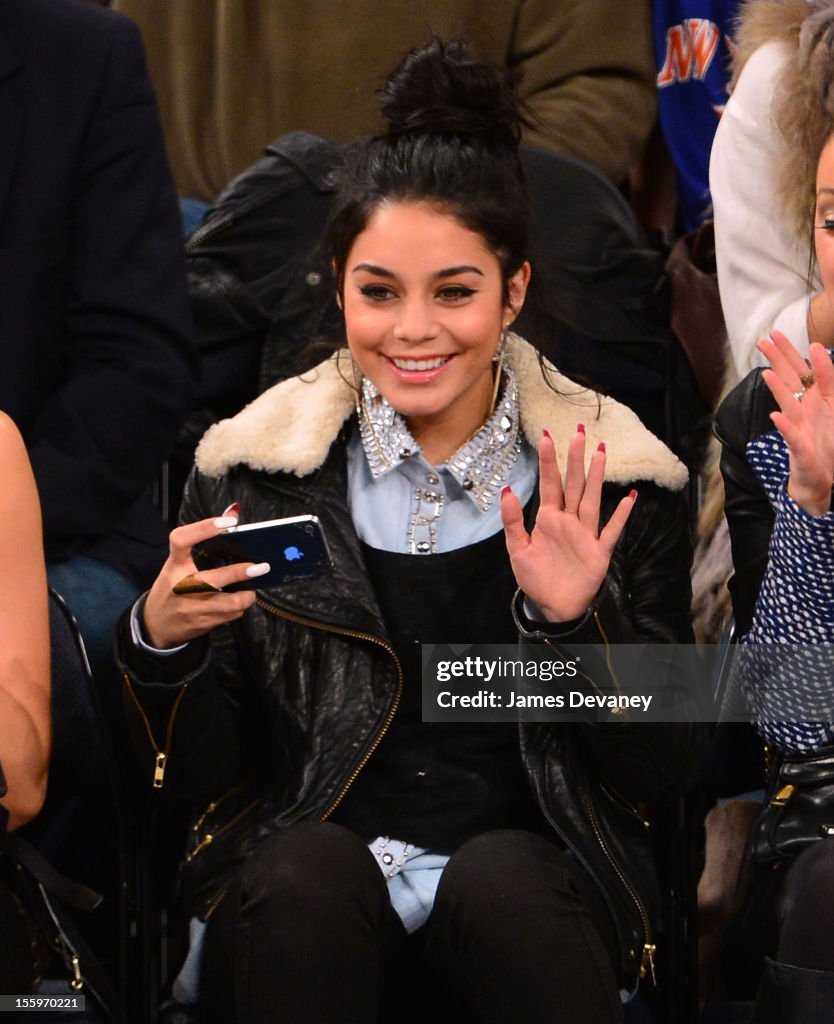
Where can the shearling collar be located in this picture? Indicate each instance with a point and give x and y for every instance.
(290, 427)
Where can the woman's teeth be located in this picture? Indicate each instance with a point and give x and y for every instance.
(420, 364)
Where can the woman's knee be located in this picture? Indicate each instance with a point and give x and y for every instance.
(319, 863)
(506, 867)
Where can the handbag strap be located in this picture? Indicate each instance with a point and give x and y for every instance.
(74, 894)
(82, 963)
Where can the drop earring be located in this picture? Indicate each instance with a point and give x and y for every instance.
(358, 391)
(498, 359)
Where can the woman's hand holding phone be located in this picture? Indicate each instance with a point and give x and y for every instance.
(172, 619)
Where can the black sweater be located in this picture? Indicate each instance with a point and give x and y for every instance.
(436, 785)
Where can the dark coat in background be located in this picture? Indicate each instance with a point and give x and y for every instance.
(95, 328)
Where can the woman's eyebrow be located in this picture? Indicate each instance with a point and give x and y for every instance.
(372, 268)
(825, 191)
(454, 271)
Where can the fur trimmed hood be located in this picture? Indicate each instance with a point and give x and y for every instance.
(290, 427)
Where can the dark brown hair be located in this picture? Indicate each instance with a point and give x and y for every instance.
(454, 127)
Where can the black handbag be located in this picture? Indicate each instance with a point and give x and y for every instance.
(799, 807)
(33, 890)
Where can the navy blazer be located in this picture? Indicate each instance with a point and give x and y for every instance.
(96, 359)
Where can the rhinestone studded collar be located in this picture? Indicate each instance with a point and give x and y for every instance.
(481, 466)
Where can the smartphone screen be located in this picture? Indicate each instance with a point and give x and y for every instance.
(295, 548)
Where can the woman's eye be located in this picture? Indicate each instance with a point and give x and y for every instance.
(456, 292)
(376, 292)
(828, 223)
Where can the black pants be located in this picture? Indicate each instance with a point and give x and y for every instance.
(787, 915)
(517, 935)
(805, 909)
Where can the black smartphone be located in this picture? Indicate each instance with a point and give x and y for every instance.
(295, 548)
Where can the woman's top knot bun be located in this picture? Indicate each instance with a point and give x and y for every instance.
(454, 128)
(439, 88)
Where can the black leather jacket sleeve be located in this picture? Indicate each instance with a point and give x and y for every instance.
(743, 416)
(202, 714)
(645, 600)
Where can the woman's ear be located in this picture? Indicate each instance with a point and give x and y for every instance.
(517, 291)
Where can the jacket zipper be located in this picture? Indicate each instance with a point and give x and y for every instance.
(607, 645)
(370, 638)
(623, 804)
(215, 902)
(608, 663)
(649, 948)
(210, 809)
(161, 755)
(200, 234)
(210, 837)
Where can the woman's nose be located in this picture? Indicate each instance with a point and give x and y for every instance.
(416, 322)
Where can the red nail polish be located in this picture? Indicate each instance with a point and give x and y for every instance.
(233, 509)
(632, 495)
(601, 446)
(546, 433)
(506, 490)
(580, 427)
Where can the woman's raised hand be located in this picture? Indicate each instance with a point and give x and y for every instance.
(806, 418)
(562, 563)
(172, 618)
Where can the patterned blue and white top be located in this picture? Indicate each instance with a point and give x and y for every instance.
(791, 692)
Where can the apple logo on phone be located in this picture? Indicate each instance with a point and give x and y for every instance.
(292, 554)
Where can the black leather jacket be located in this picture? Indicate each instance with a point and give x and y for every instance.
(298, 693)
(743, 416)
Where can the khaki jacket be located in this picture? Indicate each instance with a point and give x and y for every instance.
(232, 75)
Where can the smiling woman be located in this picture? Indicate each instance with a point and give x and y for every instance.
(360, 852)
(425, 322)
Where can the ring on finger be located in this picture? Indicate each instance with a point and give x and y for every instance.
(798, 394)
(190, 584)
(807, 379)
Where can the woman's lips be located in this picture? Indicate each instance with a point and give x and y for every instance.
(418, 371)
